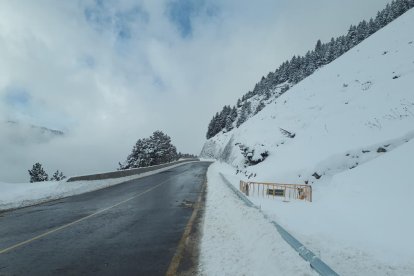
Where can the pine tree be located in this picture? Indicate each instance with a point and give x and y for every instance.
(239, 104)
(330, 52)
(155, 150)
(233, 114)
(372, 26)
(319, 54)
(244, 114)
(37, 174)
(259, 107)
(221, 124)
(351, 37)
(164, 151)
(57, 176)
(216, 124)
(362, 31)
(380, 19)
(229, 124)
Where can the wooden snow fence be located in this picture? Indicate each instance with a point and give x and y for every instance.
(287, 191)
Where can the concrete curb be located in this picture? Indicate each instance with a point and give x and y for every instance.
(316, 263)
(123, 173)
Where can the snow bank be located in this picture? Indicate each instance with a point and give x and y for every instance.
(17, 195)
(238, 240)
(360, 220)
(353, 125)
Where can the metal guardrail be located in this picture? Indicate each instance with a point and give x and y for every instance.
(237, 192)
(288, 191)
(315, 262)
(123, 173)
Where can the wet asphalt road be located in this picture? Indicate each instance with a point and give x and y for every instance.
(138, 236)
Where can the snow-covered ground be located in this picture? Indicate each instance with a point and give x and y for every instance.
(353, 125)
(352, 225)
(16, 195)
(238, 240)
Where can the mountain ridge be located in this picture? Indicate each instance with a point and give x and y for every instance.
(299, 67)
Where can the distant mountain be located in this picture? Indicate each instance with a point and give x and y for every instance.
(41, 129)
(22, 133)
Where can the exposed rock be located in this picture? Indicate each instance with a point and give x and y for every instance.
(380, 149)
(316, 175)
(354, 166)
(287, 133)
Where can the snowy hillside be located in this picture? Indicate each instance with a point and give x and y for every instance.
(347, 129)
(361, 101)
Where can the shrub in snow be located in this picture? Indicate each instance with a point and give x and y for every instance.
(57, 176)
(37, 174)
(381, 149)
(253, 156)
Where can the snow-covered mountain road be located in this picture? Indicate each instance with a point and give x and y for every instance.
(133, 228)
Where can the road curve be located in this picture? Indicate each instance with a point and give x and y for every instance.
(133, 228)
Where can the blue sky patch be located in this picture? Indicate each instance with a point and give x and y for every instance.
(17, 97)
(181, 13)
(87, 61)
(104, 16)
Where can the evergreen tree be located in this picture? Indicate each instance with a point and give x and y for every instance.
(319, 54)
(259, 107)
(352, 38)
(229, 124)
(372, 26)
(362, 31)
(163, 150)
(223, 117)
(239, 104)
(37, 174)
(155, 150)
(233, 114)
(57, 176)
(245, 112)
(381, 20)
(330, 52)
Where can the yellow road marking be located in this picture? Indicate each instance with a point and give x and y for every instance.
(176, 260)
(79, 220)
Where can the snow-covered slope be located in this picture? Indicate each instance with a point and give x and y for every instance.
(362, 101)
(347, 130)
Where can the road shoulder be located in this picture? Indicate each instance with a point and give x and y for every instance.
(186, 259)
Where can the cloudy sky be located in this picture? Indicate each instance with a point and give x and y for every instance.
(109, 72)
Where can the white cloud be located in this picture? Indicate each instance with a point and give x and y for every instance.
(108, 74)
